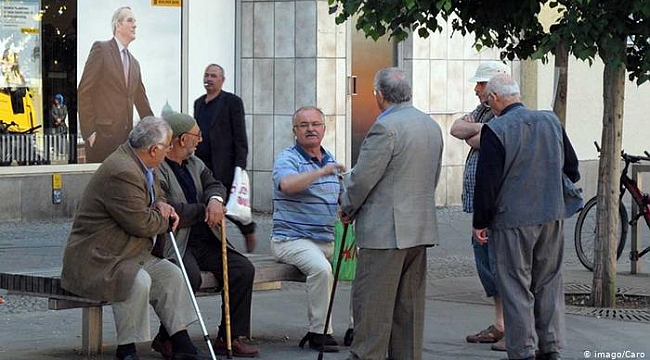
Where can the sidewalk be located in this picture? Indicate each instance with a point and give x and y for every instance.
(455, 305)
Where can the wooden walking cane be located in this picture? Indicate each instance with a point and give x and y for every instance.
(226, 296)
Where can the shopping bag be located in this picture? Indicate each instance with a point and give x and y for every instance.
(349, 259)
(239, 206)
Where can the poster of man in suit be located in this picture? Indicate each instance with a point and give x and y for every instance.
(123, 80)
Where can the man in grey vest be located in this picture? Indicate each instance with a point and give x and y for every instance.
(524, 154)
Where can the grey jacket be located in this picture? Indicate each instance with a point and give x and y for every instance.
(189, 213)
(391, 190)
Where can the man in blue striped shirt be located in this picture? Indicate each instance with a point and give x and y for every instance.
(305, 202)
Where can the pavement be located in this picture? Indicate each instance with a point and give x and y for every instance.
(455, 304)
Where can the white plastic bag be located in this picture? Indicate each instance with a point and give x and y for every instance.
(239, 206)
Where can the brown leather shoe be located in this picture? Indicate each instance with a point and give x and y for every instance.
(163, 347)
(239, 348)
(489, 335)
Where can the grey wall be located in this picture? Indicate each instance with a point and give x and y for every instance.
(28, 195)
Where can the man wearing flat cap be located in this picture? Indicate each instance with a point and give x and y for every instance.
(198, 199)
(468, 128)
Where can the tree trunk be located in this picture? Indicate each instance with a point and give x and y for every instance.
(609, 169)
(561, 66)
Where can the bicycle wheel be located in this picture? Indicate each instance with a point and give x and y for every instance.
(586, 230)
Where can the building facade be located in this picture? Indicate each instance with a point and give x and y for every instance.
(281, 55)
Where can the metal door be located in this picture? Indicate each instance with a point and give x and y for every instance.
(367, 56)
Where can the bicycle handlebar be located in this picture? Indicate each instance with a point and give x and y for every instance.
(6, 124)
(4, 128)
(597, 146)
(627, 157)
(634, 158)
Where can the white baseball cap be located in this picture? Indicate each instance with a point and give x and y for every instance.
(487, 70)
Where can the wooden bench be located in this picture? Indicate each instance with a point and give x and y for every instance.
(46, 283)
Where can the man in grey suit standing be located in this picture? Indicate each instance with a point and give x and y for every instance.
(524, 156)
(391, 194)
(110, 85)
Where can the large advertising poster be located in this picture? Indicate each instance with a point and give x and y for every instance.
(116, 88)
(20, 80)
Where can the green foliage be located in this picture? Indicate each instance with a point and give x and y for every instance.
(397, 18)
(588, 28)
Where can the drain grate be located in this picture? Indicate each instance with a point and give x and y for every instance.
(586, 289)
(577, 289)
(635, 315)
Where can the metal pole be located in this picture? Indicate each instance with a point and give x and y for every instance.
(191, 292)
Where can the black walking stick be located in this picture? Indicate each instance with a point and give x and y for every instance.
(191, 292)
(336, 278)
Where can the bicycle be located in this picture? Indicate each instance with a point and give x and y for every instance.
(586, 225)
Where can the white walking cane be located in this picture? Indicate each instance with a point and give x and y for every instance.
(191, 292)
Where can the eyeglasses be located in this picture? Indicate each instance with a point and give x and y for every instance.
(199, 135)
(305, 125)
(165, 146)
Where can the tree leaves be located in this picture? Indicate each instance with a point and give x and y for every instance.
(588, 28)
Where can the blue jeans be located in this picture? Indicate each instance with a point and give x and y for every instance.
(486, 267)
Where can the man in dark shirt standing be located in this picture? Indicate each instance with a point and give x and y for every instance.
(220, 116)
(524, 156)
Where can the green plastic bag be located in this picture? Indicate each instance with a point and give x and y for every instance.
(349, 260)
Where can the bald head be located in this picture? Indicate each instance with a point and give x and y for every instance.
(502, 90)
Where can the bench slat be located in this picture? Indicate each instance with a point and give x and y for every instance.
(47, 282)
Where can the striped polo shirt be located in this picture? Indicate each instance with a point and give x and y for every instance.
(308, 214)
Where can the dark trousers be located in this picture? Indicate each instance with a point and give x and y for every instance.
(243, 229)
(206, 256)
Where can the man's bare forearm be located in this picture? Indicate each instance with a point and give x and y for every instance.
(463, 129)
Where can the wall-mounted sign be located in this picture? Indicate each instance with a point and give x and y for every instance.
(175, 3)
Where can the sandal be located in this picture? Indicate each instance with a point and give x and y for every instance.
(489, 335)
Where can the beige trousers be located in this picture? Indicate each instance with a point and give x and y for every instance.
(313, 259)
(159, 283)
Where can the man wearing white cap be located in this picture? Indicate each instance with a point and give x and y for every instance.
(468, 128)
